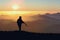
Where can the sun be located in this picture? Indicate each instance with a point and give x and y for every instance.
(15, 7)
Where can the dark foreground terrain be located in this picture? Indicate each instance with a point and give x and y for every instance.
(28, 36)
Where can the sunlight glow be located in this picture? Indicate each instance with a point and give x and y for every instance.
(15, 7)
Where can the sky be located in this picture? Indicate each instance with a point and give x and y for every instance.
(29, 5)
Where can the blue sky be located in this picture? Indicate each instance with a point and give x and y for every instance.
(44, 4)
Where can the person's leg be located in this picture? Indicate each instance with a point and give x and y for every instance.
(19, 28)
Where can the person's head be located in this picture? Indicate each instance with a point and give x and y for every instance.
(20, 17)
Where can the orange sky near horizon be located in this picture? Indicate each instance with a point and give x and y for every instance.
(30, 5)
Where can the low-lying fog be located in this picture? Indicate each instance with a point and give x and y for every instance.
(48, 23)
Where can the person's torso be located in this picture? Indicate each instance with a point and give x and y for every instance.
(19, 21)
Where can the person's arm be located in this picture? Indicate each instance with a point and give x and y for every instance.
(24, 23)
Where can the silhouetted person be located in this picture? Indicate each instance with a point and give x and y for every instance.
(19, 22)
